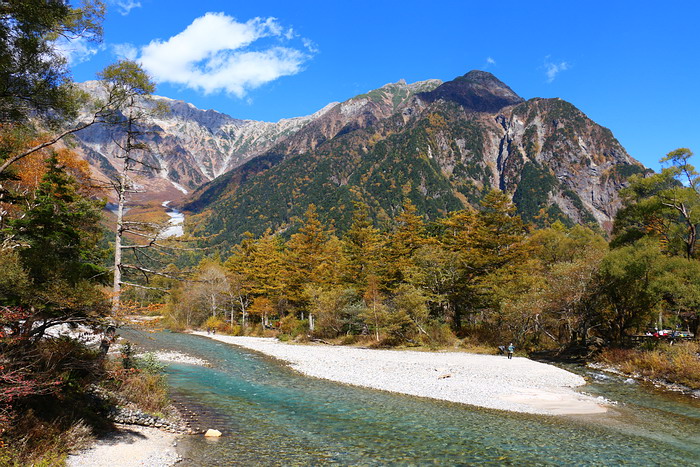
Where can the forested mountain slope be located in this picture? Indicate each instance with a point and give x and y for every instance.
(441, 146)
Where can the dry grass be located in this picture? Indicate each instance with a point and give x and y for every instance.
(472, 345)
(145, 390)
(679, 363)
(44, 443)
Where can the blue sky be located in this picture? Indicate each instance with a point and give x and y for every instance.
(632, 66)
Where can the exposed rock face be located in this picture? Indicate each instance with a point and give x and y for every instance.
(477, 91)
(354, 114)
(443, 146)
(190, 146)
(193, 146)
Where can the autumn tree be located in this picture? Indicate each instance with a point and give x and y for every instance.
(375, 314)
(362, 247)
(306, 258)
(37, 95)
(255, 270)
(409, 234)
(550, 299)
(632, 287)
(50, 275)
(337, 311)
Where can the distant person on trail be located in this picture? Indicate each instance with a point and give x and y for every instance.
(511, 349)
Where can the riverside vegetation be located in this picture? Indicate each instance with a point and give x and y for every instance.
(55, 391)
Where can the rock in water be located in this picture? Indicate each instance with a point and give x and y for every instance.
(212, 433)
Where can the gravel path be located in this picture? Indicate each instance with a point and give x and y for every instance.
(131, 446)
(518, 385)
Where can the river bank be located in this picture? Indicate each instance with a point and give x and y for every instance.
(517, 385)
(141, 439)
(130, 445)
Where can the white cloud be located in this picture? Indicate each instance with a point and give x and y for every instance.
(77, 50)
(125, 51)
(310, 45)
(490, 61)
(125, 6)
(213, 54)
(551, 70)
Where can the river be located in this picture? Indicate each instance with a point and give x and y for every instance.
(176, 223)
(271, 415)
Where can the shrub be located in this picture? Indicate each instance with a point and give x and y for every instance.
(235, 330)
(472, 345)
(217, 323)
(348, 339)
(149, 363)
(146, 390)
(293, 326)
(438, 335)
(144, 386)
(677, 363)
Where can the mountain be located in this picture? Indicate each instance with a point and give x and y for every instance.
(478, 91)
(189, 146)
(441, 145)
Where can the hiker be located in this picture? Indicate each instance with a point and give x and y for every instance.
(511, 349)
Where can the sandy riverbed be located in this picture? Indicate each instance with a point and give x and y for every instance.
(518, 385)
(130, 446)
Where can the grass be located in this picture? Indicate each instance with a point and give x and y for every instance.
(142, 386)
(679, 363)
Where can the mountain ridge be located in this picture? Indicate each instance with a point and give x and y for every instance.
(444, 152)
(193, 146)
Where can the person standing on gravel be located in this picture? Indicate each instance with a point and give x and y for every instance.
(511, 349)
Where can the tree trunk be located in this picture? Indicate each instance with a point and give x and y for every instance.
(117, 285)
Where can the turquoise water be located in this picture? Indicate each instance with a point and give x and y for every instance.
(271, 415)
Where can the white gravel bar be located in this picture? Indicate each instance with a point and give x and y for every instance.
(130, 446)
(517, 385)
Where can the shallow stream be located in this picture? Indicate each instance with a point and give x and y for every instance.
(271, 415)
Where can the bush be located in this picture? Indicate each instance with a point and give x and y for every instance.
(216, 323)
(439, 335)
(38, 441)
(47, 410)
(144, 387)
(149, 363)
(348, 339)
(235, 330)
(677, 363)
(292, 326)
(147, 391)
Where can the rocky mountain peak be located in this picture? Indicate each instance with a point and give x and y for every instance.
(477, 91)
(211, 119)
